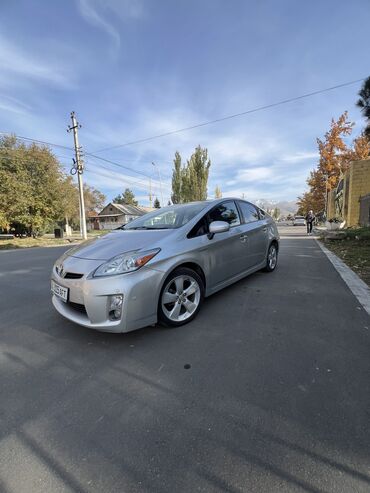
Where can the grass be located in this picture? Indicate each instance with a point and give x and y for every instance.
(46, 241)
(354, 249)
(34, 242)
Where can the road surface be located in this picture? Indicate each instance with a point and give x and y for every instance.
(276, 399)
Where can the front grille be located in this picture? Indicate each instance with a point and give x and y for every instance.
(67, 275)
(72, 275)
(78, 307)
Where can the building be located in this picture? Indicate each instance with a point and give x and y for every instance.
(92, 221)
(365, 210)
(349, 201)
(114, 215)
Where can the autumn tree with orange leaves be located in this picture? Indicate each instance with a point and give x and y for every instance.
(334, 159)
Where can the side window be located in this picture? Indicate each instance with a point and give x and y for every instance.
(226, 211)
(249, 212)
(262, 213)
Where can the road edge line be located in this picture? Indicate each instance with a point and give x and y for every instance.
(357, 286)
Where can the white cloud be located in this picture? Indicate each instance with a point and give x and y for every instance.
(13, 60)
(90, 14)
(13, 105)
(254, 174)
(299, 156)
(95, 12)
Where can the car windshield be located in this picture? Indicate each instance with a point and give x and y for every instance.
(171, 217)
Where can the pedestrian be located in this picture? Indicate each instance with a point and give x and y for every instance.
(310, 218)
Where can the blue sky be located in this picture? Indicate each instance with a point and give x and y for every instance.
(136, 68)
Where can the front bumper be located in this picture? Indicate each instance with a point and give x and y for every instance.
(88, 301)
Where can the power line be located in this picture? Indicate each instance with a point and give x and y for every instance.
(38, 141)
(229, 117)
(44, 142)
(127, 180)
(117, 164)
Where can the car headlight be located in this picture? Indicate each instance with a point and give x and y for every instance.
(126, 262)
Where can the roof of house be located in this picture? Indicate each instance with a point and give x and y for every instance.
(130, 210)
(122, 209)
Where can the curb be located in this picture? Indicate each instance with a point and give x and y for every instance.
(358, 287)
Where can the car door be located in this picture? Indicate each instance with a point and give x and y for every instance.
(224, 252)
(227, 250)
(255, 229)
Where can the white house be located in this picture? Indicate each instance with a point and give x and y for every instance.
(115, 215)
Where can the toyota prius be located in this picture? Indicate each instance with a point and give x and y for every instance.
(161, 266)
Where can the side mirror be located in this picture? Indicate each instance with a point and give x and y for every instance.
(218, 227)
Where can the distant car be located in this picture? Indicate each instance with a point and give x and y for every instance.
(299, 221)
(162, 265)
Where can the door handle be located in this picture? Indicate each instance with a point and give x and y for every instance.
(264, 229)
(243, 238)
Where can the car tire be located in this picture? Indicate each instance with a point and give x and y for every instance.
(175, 307)
(272, 258)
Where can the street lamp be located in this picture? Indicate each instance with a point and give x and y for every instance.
(160, 180)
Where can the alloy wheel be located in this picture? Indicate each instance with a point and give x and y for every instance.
(272, 257)
(180, 298)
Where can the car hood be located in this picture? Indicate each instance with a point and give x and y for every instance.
(117, 242)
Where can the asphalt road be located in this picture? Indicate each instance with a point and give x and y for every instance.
(276, 399)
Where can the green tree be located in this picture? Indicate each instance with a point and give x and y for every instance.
(177, 179)
(35, 192)
(157, 204)
(127, 197)
(364, 104)
(276, 213)
(69, 201)
(189, 183)
(30, 179)
(198, 167)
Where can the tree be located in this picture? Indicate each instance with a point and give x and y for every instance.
(94, 199)
(334, 153)
(334, 159)
(198, 171)
(189, 182)
(360, 148)
(127, 197)
(69, 200)
(30, 179)
(218, 193)
(364, 104)
(35, 192)
(276, 213)
(176, 179)
(157, 204)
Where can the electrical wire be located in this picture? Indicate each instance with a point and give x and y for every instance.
(229, 117)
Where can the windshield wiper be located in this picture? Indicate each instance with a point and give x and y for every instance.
(147, 227)
(159, 227)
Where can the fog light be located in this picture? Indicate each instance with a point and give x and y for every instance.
(115, 306)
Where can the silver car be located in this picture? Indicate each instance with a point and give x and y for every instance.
(161, 266)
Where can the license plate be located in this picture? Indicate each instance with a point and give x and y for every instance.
(59, 291)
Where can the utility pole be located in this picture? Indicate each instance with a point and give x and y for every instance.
(160, 181)
(78, 167)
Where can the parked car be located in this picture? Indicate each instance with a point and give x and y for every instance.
(161, 266)
(299, 221)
